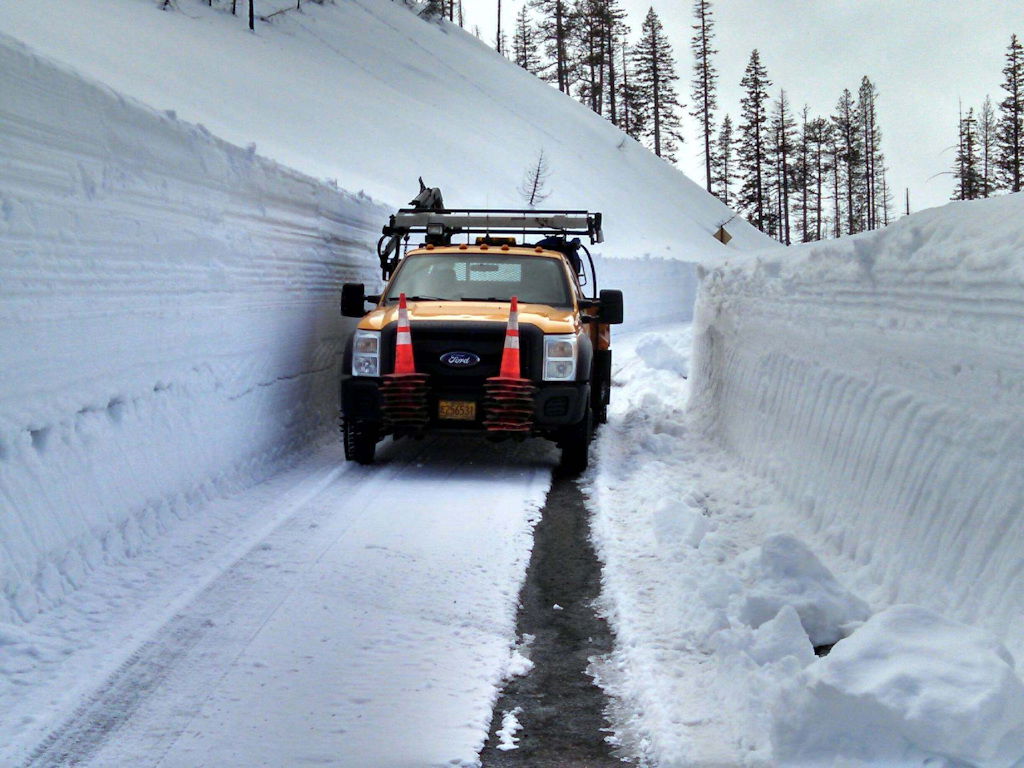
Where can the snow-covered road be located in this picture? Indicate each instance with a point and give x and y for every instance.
(369, 622)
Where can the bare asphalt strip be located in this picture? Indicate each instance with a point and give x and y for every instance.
(561, 709)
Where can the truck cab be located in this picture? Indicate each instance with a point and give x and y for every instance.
(459, 297)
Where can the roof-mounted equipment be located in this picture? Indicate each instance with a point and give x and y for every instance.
(439, 226)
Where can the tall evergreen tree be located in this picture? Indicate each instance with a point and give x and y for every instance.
(724, 163)
(835, 153)
(656, 76)
(1011, 119)
(846, 122)
(818, 135)
(555, 29)
(616, 31)
(590, 48)
(802, 175)
(705, 79)
(524, 44)
(633, 118)
(966, 171)
(752, 147)
(783, 135)
(870, 140)
(987, 147)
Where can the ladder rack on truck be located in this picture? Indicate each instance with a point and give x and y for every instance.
(439, 226)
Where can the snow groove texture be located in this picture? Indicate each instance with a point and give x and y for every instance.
(879, 382)
(168, 321)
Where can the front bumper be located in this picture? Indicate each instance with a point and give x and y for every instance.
(556, 404)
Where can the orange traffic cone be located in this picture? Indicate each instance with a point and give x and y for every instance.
(510, 366)
(404, 362)
(508, 405)
(403, 393)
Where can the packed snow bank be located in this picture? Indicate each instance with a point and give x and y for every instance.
(719, 589)
(168, 320)
(369, 93)
(907, 685)
(878, 380)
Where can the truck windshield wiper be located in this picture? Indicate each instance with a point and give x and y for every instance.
(488, 298)
(421, 298)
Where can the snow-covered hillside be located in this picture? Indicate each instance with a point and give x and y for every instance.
(369, 94)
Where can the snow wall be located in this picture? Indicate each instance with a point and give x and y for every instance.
(168, 319)
(879, 381)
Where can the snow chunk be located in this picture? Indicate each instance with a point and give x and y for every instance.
(908, 680)
(783, 571)
(782, 637)
(677, 523)
(656, 352)
(510, 725)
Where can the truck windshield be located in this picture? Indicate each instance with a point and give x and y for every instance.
(481, 277)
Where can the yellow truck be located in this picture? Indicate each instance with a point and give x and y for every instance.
(458, 288)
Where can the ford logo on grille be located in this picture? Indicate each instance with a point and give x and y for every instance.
(460, 359)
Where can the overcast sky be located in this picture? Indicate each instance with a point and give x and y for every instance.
(923, 56)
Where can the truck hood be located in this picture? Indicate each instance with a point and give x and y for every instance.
(548, 319)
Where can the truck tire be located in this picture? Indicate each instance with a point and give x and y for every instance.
(575, 444)
(360, 441)
(601, 385)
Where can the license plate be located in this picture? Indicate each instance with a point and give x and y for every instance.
(456, 410)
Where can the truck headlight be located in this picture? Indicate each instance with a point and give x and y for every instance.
(366, 353)
(559, 358)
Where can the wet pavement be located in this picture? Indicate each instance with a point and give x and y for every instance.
(562, 718)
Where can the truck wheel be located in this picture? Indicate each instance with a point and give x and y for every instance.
(360, 441)
(575, 444)
(601, 385)
(601, 402)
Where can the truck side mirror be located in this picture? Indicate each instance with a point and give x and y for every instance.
(353, 300)
(610, 307)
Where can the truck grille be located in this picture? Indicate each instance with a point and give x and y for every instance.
(486, 340)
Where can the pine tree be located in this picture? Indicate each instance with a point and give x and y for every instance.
(1011, 119)
(524, 44)
(836, 161)
(819, 138)
(616, 30)
(966, 171)
(873, 159)
(802, 175)
(656, 76)
(724, 164)
(705, 78)
(633, 118)
(752, 148)
(555, 30)
(848, 135)
(783, 134)
(987, 147)
(590, 46)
